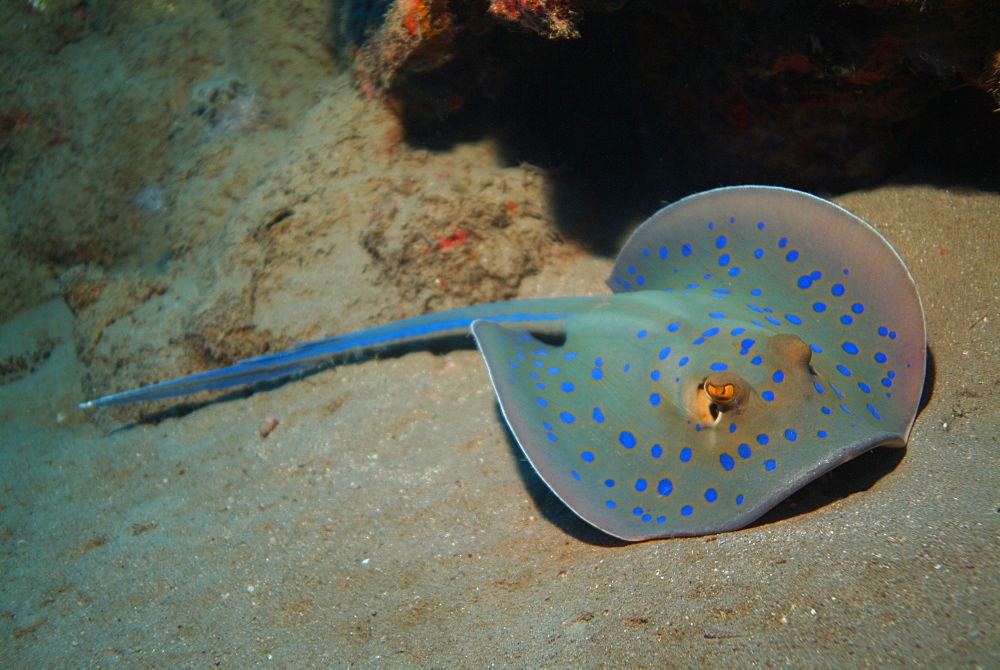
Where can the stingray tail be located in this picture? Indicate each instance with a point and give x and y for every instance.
(544, 315)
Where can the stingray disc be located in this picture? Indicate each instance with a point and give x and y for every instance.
(757, 338)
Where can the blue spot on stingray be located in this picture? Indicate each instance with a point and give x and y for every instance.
(567, 417)
(756, 360)
(822, 434)
(628, 366)
(711, 332)
(763, 439)
(791, 435)
(552, 437)
(819, 307)
(792, 256)
(864, 387)
(664, 353)
(700, 340)
(687, 510)
(815, 348)
(778, 376)
(641, 334)
(891, 374)
(772, 320)
(825, 410)
(686, 250)
(847, 319)
(744, 451)
(542, 402)
(576, 475)
(597, 373)
(685, 455)
(665, 487)
(640, 485)
(672, 328)
(610, 483)
(627, 439)
(587, 456)
(734, 272)
(717, 315)
(598, 415)
(723, 260)
(881, 358)
(727, 462)
(770, 465)
(756, 291)
(684, 361)
(748, 343)
(887, 383)
(892, 335)
(844, 370)
(739, 499)
(553, 371)
(760, 225)
(883, 331)
(850, 348)
(655, 375)
(783, 242)
(819, 388)
(711, 495)
(874, 413)
(793, 319)
(567, 387)
(570, 356)
(719, 367)
(720, 242)
(837, 290)
(768, 396)
(598, 362)
(858, 308)
(631, 269)
(758, 253)
(664, 253)
(732, 428)
(738, 331)
(654, 399)
(640, 281)
(656, 451)
(611, 504)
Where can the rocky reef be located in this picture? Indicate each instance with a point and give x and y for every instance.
(822, 95)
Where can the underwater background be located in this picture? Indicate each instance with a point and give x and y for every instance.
(189, 183)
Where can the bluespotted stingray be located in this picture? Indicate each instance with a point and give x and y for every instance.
(756, 338)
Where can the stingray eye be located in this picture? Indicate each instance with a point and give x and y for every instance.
(723, 393)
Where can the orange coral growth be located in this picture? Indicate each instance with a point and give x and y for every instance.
(415, 17)
(793, 62)
(457, 237)
(552, 18)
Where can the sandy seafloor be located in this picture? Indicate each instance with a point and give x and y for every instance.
(389, 520)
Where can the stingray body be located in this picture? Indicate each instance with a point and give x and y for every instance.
(756, 338)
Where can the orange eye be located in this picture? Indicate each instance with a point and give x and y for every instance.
(723, 393)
